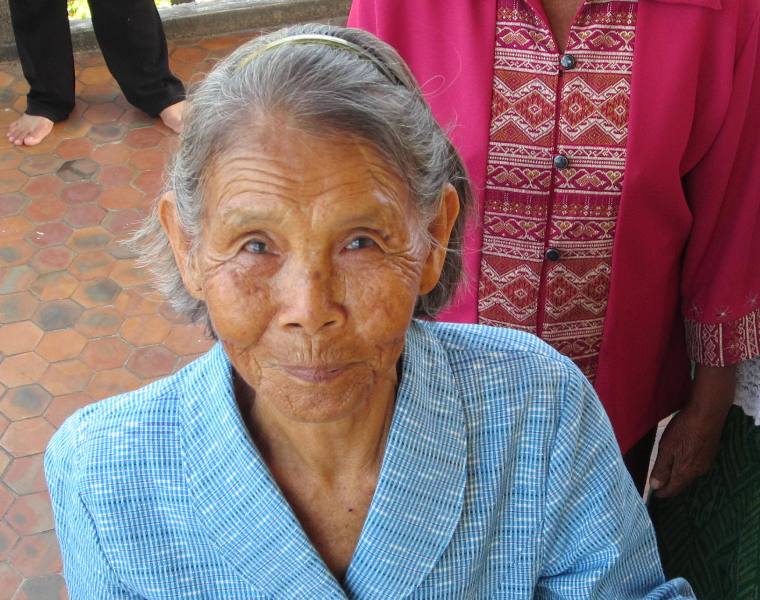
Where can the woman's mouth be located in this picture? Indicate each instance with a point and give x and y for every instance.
(315, 374)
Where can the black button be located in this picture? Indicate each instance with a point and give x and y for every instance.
(552, 254)
(567, 61)
(561, 161)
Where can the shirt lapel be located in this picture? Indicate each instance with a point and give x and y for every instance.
(237, 502)
(414, 511)
(418, 501)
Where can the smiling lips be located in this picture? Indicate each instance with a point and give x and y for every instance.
(321, 374)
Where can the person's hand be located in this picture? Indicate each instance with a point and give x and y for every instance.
(690, 441)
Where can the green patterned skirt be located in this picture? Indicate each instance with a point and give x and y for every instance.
(710, 534)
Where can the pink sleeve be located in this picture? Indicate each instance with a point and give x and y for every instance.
(721, 272)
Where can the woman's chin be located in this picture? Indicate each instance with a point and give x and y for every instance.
(316, 397)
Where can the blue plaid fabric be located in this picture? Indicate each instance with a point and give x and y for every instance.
(501, 479)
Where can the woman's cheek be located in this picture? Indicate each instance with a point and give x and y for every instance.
(238, 304)
(382, 297)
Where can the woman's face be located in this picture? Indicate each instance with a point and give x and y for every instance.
(310, 264)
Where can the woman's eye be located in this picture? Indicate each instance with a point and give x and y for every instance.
(256, 247)
(360, 243)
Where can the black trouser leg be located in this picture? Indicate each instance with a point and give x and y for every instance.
(41, 28)
(132, 39)
(637, 459)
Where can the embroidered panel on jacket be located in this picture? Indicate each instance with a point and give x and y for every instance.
(555, 173)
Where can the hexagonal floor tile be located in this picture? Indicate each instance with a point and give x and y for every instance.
(103, 113)
(95, 75)
(21, 369)
(15, 226)
(19, 337)
(42, 185)
(139, 300)
(24, 402)
(16, 279)
(8, 539)
(89, 239)
(106, 353)
(53, 258)
(73, 149)
(26, 475)
(45, 209)
(15, 252)
(150, 182)
(61, 345)
(98, 292)
(49, 234)
(17, 307)
(41, 164)
(36, 555)
(57, 314)
(26, 437)
(111, 154)
(145, 330)
(66, 377)
(80, 192)
(11, 204)
(31, 514)
(6, 496)
(48, 587)
(148, 159)
(64, 406)
(153, 361)
(56, 285)
(145, 137)
(188, 339)
(99, 322)
(104, 133)
(11, 181)
(10, 579)
(122, 221)
(84, 215)
(128, 273)
(77, 170)
(111, 383)
(117, 176)
(189, 54)
(121, 197)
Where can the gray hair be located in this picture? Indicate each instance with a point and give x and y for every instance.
(325, 91)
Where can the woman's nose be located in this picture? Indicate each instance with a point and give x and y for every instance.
(311, 302)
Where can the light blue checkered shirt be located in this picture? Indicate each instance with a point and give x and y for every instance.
(501, 479)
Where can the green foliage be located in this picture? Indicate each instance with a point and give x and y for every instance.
(79, 9)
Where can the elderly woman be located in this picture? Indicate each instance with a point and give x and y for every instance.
(330, 446)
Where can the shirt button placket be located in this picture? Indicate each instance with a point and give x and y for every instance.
(560, 162)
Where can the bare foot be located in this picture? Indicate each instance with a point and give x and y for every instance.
(29, 130)
(172, 116)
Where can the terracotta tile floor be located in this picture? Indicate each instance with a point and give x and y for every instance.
(78, 320)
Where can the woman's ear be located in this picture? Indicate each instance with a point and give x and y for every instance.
(167, 215)
(440, 231)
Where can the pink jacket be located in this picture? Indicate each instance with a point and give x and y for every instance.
(686, 260)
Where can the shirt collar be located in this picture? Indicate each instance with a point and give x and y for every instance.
(414, 511)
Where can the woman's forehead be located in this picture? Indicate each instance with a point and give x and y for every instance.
(297, 169)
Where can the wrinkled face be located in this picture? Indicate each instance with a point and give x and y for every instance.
(311, 261)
